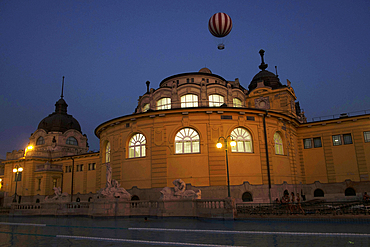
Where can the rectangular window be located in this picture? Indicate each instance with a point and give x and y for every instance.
(70, 169)
(39, 186)
(317, 142)
(54, 183)
(77, 168)
(81, 168)
(367, 136)
(337, 140)
(307, 143)
(347, 139)
(67, 169)
(92, 166)
(250, 118)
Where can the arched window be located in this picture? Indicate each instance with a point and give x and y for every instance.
(145, 108)
(187, 141)
(189, 100)
(78, 199)
(215, 100)
(349, 192)
(40, 141)
(164, 103)
(243, 141)
(247, 197)
(37, 200)
(136, 146)
(318, 193)
(237, 102)
(71, 141)
(135, 198)
(278, 144)
(107, 152)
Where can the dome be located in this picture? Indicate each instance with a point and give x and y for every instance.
(205, 70)
(269, 78)
(59, 121)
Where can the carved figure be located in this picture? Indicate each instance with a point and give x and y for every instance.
(179, 192)
(58, 195)
(113, 188)
(109, 174)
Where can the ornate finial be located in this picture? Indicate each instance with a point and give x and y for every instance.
(276, 71)
(263, 66)
(61, 96)
(147, 86)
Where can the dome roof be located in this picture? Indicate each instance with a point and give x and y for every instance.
(59, 121)
(269, 78)
(205, 70)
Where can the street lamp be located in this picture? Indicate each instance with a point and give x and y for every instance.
(219, 145)
(16, 170)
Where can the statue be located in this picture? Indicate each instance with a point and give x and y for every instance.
(179, 192)
(113, 188)
(58, 195)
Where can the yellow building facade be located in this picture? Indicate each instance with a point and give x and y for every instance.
(173, 134)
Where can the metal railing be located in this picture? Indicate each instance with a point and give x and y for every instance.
(342, 115)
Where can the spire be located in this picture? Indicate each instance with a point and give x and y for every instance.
(61, 96)
(263, 66)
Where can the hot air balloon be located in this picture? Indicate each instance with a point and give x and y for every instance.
(220, 25)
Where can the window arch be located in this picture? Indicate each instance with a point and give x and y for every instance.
(215, 100)
(136, 146)
(164, 103)
(107, 152)
(247, 197)
(237, 102)
(349, 192)
(243, 141)
(187, 141)
(189, 100)
(278, 144)
(40, 141)
(72, 141)
(145, 108)
(318, 193)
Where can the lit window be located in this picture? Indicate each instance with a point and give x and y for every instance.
(136, 146)
(107, 152)
(71, 141)
(337, 140)
(189, 100)
(237, 102)
(40, 141)
(367, 136)
(347, 139)
(92, 166)
(215, 100)
(278, 144)
(164, 103)
(187, 141)
(243, 141)
(54, 182)
(307, 143)
(145, 108)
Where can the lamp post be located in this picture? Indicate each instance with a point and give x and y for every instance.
(16, 170)
(219, 145)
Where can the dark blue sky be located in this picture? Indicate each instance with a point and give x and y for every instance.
(107, 50)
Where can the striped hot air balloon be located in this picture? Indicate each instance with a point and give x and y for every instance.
(220, 25)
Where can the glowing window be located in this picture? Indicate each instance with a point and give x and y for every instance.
(243, 141)
(136, 146)
(189, 100)
(164, 103)
(107, 152)
(40, 141)
(367, 136)
(187, 141)
(278, 144)
(215, 100)
(237, 102)
(145, 108)
(72, 141)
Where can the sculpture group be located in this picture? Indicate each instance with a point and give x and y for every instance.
(112, 188)
(179, 192)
